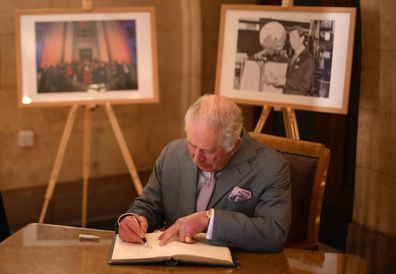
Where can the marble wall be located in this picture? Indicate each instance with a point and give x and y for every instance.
(373, 231)
(375, 189)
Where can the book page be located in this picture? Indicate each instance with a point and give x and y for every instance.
(201, 251)
(139, 252)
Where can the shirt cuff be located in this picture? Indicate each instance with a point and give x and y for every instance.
(125, 215)
(209, 231)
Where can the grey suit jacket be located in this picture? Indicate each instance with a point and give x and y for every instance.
(260, 223)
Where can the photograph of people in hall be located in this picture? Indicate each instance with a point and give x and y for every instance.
(92, 56)
(291, 57)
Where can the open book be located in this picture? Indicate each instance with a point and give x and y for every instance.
(200, 252)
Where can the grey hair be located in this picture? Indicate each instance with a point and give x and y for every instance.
(220, 113)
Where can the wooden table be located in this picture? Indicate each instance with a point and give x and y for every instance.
(43, 248)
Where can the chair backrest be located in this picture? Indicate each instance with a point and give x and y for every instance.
(309, 162)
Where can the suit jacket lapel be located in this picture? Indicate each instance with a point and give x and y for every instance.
(235, 171)
(226, 181)
(189, 185)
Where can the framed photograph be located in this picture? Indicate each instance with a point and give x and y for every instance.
(297, 57)
(103, 55)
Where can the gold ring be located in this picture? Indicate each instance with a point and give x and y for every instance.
(187, 239)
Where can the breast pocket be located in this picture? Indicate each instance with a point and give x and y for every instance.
(246, 207)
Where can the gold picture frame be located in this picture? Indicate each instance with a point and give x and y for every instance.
(101, 55)
(298, 57)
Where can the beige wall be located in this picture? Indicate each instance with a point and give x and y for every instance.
(147, 128)
(375, 191)
(187, 32)
(187, 48)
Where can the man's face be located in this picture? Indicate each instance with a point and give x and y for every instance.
(204, 147)
(295, 40)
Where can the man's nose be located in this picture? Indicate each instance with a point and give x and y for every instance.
(197, 155)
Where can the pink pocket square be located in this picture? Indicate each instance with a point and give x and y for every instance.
(239, 195)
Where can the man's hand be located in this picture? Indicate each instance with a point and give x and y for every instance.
(132, 229)
(186, 228)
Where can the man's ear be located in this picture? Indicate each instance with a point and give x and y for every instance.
(236, 145)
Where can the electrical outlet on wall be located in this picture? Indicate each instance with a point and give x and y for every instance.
(25, 138)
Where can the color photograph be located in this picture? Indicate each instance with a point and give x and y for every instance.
(85, 55)
(99, 56)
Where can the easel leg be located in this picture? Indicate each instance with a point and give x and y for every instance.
(290, 122)
(287, 3)
(263, 118)
(58, 160)
(124, 148)
(86, 163)
(293, 121)
(286, 123)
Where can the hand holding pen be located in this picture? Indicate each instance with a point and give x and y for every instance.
(132, 229)
(142, 236)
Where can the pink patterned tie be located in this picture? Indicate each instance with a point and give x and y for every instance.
(206, 192)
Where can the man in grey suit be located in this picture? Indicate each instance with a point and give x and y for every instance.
(250, 204)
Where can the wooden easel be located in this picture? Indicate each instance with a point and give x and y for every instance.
(289, 115)
(86, 156)
(87, 5)
(287, 3)
(289, 121)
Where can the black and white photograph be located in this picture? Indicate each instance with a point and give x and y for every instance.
(104, 55)
(298, 57)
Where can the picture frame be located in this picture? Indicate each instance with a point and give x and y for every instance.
(298, 57)
(79, 56)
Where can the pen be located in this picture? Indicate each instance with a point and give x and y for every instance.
(144, 238)
(88, 237)
(145, 242)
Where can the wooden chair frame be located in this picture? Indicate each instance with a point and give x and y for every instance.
(321, 155)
